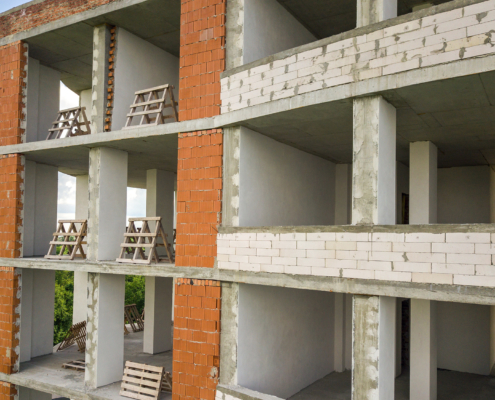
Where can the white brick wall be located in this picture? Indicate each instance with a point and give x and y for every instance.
(445, 258)
(433, 40)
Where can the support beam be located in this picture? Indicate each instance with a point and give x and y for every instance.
(31, 394)
(81, 278)
(374, 162)
(423, 183)
(339, 333)
(107, 202)
(101, 48)
(373, 11)
(229, 339)
(373, 375)
(158, 315)
(160, 186)
(231, 182)
(105, 329)
(423, 350)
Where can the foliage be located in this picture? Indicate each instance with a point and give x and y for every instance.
(64, 299)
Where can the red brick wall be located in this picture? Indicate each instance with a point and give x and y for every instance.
(196, 339)
(43, 13)
(9, 319)
(7, 391)
(13, 63)
(202, 58)
(199, 197)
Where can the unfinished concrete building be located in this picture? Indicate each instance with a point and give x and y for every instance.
(329, 176)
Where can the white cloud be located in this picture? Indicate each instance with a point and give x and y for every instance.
(66, 204)
(68, 99)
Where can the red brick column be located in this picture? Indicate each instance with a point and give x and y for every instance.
(202, 58)
(13, 63)
(199, 197)
(196, 339)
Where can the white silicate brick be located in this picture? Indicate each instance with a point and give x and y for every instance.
(386, 256)
(488, 270)
(424, 237)
(311, 245)
(351, 255)
(469, 258)
(393, 276)
(462, 269)
(250, 267)
(426, 257)
(297, 270)
(268, 252)
(325, 271)
(379, 246)
(344, 264)
(342, 245)
(245, 251)
(229, 265)
(292, 236)
(244, 236)
(468, 237)
(321, 253)
(358, 274)
(238, 259)
(352, 237)
(285, 244)
(284, 260)
(440, 279)
(375, 265)
(477, 280)
(412, 267)
(274, 269)
(387, 237)
(330, 236)
(293, 253)
(226, 250)
(412, 247)
(311, 262)
(260, 260)
(453, 248)
(267, 236)
(261, 244)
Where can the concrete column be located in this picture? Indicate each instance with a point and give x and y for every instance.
(107, 202)
(160, 186)
(492, 308)
(343, 184)
(339, 333)
(158, 315)
(423, 183)
(423, 350)
(229, 336)
(31, 394)
(373, 11)
(40, 209)
(105, 329)
(38, 310)
(231, 168)
(374, 164)
(101, 48)
(373, 375)
(81, 278)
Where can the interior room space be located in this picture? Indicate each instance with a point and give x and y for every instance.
(293, 342)
(445, 351)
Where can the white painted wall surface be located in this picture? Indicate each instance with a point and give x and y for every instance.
(402, 187)
(85, 101)
(43, 100)
(281, 185)
(31, 394)
(140, 65)
(464, 195)
(463, 332)
(285, 338)
(43, 312)
(26, 313)
(343, 195)
(269, 28)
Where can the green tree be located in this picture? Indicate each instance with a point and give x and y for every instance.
(64, 299)
(134, 291)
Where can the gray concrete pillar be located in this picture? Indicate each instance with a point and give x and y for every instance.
(374, 162)
(107, 203)
(343, 183)
(158, 305)
(81, 278)
(40, 208)
(339, 333)
(231, 168)
(423, 350)
(38, 310)
(101, 49)
(423, 183)
(373, 374)
(31, 394)
(229, 334)
(373, 11)
(105, 329)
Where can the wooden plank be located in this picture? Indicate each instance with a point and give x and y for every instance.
(154, 89)
(148, 112)
(131, 364)
(142, 374)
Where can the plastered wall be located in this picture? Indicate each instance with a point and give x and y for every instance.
(463, 332)
(140, 65)
(269, 28)
(280, 185)
(285, 338)
(43, 100)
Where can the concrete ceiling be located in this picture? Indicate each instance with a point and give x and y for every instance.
(325, 18)
(70, 49)
(458, 115)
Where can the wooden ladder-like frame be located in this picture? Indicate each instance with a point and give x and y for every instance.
(153, 102)
(68, 121)
(138, 242)
(72, 245)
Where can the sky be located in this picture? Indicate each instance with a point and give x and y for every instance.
(136, 198)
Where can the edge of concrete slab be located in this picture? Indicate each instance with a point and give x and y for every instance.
(243, 393)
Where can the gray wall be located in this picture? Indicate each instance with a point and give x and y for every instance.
(280, 185)
(402, 187)
(140, 65)
(463, 332)
(285, 338)
(269, 28)
(464, 195)
(43, 100)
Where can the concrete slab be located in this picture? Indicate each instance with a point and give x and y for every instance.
(46, 373)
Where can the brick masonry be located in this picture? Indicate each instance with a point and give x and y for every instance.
(199, 197)
(43, 13)
(437, 39)
(442, 258)
(196, 354)
(202, 58)
(112, 62)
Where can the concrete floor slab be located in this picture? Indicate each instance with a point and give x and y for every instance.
(46, 373)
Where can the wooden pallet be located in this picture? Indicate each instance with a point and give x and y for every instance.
(68, 124)
(76, 334)
(78, 365)
(73, 245)
(141, 381)
(167, 382)
(133, 318)
(145, 239)
(150, 105)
